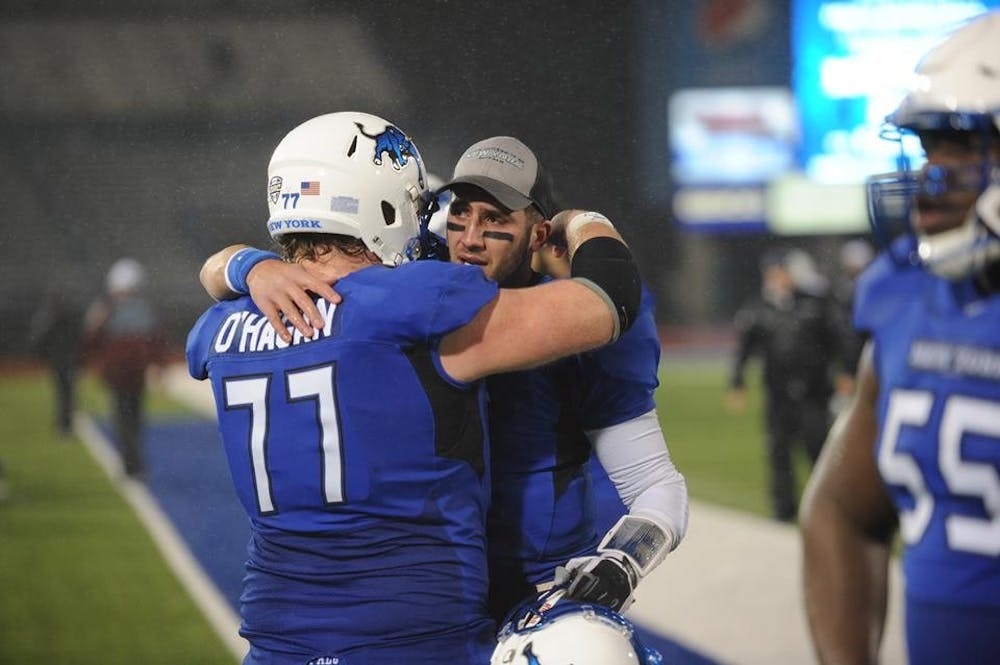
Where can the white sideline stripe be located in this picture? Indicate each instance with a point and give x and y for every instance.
(179, 558)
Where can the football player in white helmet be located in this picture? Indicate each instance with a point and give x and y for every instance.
(359, 453)
(918, 449)
(340, 198)
(953, 109)
(545, 423)
(551, 630)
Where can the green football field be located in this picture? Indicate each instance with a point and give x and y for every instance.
(82, 582)
(721, 454)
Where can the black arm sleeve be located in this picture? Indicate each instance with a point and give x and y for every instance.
(607, 266)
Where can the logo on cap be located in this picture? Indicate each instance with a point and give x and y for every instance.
(497, 155)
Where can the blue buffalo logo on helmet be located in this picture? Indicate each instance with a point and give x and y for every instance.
(529, 654)
(395, 144)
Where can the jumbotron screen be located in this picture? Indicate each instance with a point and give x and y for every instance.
(851, 65)
(793, 160)
(852, 62)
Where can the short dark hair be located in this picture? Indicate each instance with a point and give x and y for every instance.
(309, 246)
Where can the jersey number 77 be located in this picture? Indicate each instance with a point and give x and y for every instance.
(313, 383)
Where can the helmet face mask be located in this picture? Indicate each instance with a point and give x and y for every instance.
(350, 174)
(954, 109)
(939, 203)
(956, 173)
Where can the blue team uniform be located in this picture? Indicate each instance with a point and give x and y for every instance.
(937, 356)
(363, 471)
(543, 510)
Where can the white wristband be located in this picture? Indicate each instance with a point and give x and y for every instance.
(581, 219)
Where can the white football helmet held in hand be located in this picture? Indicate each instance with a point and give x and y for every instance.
(550, 631)
(350, 174)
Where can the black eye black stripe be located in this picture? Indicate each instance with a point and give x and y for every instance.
(495, 235)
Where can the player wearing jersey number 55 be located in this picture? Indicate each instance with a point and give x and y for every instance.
(918, 450)
(359, 453)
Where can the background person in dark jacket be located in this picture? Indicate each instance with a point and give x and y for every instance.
(122, 340)
(795, 331)
(54, 336)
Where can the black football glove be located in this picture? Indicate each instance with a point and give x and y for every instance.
(605, 580)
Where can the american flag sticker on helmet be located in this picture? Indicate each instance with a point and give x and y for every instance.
(309, 188)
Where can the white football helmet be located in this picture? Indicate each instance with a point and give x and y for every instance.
(352, 174)
(551, 631)
(956, 89)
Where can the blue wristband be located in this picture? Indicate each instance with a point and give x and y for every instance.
(241, 263)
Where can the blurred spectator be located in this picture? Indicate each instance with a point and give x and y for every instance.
(855, 255)
(123, 339)
(794, 330)
(804, 274)
(54, 336)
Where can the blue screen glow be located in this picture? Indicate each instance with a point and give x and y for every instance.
(851, 64)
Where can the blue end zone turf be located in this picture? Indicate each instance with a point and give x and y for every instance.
(188, 475)
(186, 472)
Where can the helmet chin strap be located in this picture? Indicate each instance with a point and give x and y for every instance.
(988, 204)
(969, 248)
(948, 254)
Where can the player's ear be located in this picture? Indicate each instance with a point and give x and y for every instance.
(540, 232)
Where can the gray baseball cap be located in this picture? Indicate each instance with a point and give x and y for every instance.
(509, 171)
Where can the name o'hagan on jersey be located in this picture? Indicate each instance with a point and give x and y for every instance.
(248, 332)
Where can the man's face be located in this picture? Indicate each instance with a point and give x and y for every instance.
(955, 166)
(482, 232)
(778, 281)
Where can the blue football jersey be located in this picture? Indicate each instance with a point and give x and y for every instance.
(543, 510)
(937, 357)
(362, 468)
